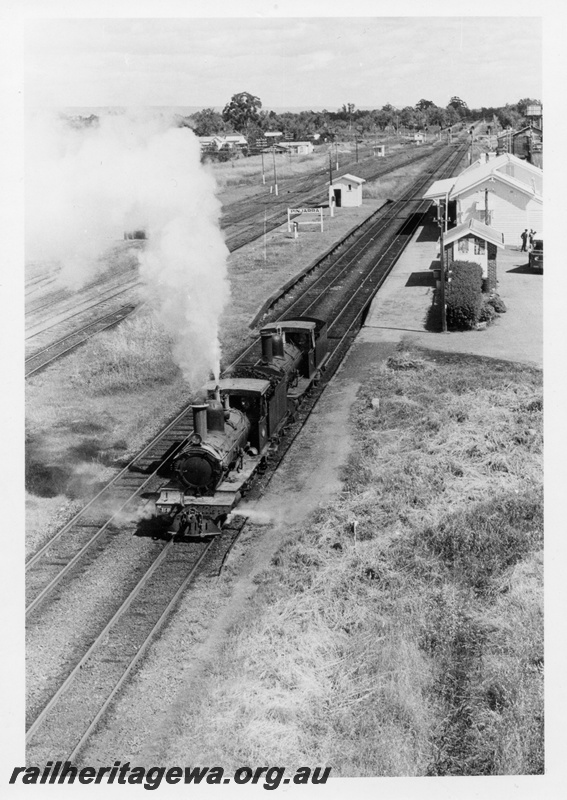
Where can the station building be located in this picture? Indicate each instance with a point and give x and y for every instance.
(299, 148)
(476, 242)
(503, 192)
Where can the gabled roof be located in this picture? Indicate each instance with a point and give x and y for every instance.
(348, 177)
(502, 168)
(475, 228)
(521, 130)
(439, 189)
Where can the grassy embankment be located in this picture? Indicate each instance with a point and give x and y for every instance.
(401, 632)
(101, 403)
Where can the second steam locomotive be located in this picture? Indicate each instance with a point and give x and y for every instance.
(242, 415)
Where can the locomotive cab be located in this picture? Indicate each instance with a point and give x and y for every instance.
(309, 336)
(251, 396)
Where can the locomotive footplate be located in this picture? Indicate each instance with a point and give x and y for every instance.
(296, 393)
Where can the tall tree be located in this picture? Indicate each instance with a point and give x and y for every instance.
(242, 111)
(458, 105)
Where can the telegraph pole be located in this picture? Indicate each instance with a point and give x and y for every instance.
(441, 222)
(275, 171)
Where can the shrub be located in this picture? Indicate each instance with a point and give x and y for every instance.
(487, 312)
(464, 295)
(497, 303)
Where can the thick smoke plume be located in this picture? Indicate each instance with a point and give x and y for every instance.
(86, 186)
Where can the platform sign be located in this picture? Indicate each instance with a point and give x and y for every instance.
(311, 212)
(533, 111)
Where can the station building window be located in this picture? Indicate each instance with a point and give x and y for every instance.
(479, 247)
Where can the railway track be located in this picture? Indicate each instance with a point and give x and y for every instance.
(74, 308)
(73, 712)
(238, 235)
(273, 209)
(66, 344)
(351, 266)
(63, 717)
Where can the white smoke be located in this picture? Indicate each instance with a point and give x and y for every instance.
(85, 187)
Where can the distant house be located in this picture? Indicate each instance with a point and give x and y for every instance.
(281, 149)
(299, 148)
(222, 142)
(524, 143)
(419, 137)
(234, 140)
(210, 143)
(346, 191)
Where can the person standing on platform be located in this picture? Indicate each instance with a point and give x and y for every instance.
(524, 238)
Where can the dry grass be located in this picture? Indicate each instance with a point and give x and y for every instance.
(401, 633)
(248, 171)
(129, 358)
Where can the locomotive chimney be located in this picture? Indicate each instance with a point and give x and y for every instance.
(216, 413)
(267, 347)
(200, 419)
(278, 345)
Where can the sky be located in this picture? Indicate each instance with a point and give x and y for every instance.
(287, 61)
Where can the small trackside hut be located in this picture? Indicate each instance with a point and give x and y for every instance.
(346, 191)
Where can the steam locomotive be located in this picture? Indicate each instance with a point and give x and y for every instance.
(243, 415)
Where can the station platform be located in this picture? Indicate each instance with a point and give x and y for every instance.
(400, 310)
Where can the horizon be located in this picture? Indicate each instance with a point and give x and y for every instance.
(188, 109)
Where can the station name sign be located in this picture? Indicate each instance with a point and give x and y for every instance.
(318, 221)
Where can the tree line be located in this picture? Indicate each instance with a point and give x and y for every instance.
(244, 114)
